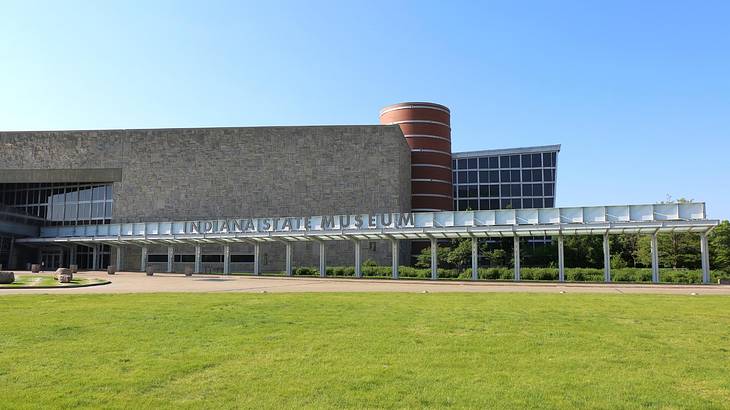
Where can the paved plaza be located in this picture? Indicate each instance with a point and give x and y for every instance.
(136, 282)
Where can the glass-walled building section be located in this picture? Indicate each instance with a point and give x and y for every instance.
(505, 179)
(58, 203)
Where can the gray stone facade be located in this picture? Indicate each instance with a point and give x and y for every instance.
(204, 173)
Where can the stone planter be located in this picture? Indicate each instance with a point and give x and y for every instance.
(64, 278)
(150, 272)
(110, 270)
(35, 268)
(7, 278)
(188, 271)
(74, 268)
(62, 271)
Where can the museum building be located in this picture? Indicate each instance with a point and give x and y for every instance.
(203, 197)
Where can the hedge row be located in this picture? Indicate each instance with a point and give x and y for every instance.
(546, 274)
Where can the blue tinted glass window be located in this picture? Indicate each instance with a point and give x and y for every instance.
(537, 189)
(527, 189)
(547, 174)
(462, 163)
(526, 175)
(472, 177)
(547, 160)
(493, 176)
(536, 175)
(526, 161)
(494, 191)
(504, 162)
(493, 163)
(505, 176)
(484, 162)
(472, 162)
(536, 160)
(549, 188)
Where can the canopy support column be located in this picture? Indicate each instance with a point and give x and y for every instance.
(395, 250)
(654, 259)
(561, 259)
(71, 257)
(705, 257)
(143, 261)
(170, 258)
(474, 258)
(119, 258)
(517, 257)
(288, 259)
(606, 259)
(322, 260)
(358, 258)
(257, 259)
(95, 257)
(198, 259)
(226, 259)
(434, 259)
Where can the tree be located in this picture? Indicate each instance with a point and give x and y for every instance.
(584, 251)
(497, 257)
(460, 254)
(719, 242)
(676, 250)
(423, 260)
(498, 252)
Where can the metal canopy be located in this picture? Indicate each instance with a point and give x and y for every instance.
(597, 220)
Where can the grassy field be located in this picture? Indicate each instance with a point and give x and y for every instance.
(364, 350)
(35, 280)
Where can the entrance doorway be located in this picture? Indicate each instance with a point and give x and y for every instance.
(51, 260)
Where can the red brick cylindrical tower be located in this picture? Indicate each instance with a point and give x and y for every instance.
(427, 128)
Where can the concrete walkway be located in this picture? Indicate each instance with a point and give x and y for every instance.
(136, 282)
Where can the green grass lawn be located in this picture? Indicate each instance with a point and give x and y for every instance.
(364, 350)
(36, 280)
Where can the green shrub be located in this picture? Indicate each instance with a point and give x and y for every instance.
(306, 271)
(369, 262)
(505, 273)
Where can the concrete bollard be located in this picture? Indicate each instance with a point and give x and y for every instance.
(7, 278)
(62, 271)
(35, 268)
(111, 270)
(74, 268)
(188, 271)
(150, 272)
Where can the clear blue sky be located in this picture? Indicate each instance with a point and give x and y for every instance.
(637, 92)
